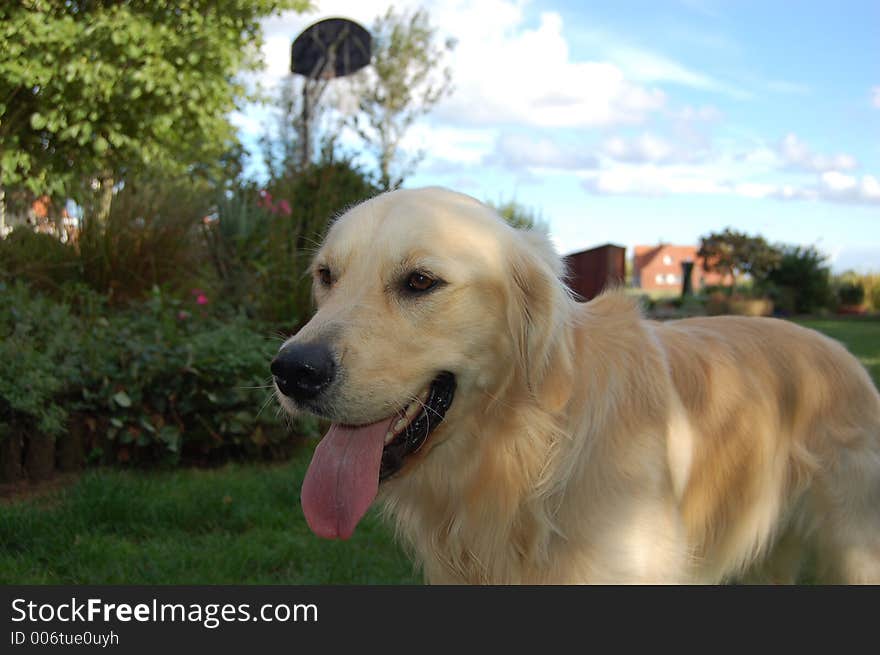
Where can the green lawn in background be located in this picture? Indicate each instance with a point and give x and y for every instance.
(240, 524)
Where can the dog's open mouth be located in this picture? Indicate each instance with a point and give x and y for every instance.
(409, 432)
(349, 462)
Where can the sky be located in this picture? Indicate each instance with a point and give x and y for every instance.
(647, 121)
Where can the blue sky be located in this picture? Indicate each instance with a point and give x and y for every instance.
(638, 121)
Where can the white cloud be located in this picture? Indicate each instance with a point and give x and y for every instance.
(797, 155)
(727, 178)
(692, 114)
(652, 180)
(517, 151)
(508, 74)
(453, 145)
(754, 189)
(642, 149)
(794, 155)
(835, 182)
(839, 187)
(875, 97)
(686, 147)
(791, 192)
(760, 157)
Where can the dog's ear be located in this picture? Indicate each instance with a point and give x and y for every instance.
(539, 314)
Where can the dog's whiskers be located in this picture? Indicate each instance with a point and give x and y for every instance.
(268, 385)
(425, 407)
(265, 404)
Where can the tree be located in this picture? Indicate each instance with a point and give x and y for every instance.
(281, 143)
(91, 89)
(402, 85)
(801, 282)
(518, 215)
(734, 254)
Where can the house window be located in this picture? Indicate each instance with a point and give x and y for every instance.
(671, 278)
(667, 260)
(658, 278)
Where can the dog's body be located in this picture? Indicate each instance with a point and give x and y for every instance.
(584, 443)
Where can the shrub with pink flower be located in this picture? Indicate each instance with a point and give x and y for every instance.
(266, 202)
(201, 297)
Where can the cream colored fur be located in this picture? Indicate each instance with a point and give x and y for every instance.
(586, 444)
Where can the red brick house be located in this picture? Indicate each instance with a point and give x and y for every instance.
(658, 268)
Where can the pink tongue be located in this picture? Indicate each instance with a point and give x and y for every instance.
(343, 478)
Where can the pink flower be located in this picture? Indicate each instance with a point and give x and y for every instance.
(265, 200)
(284, 207)
(196, 292)
(182, 315)
(202, 299)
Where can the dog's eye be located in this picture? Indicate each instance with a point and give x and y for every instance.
(419, 282)
(325, 276)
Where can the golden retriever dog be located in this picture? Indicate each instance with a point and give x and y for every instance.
(514, 435)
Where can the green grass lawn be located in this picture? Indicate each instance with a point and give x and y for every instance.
(241, 524)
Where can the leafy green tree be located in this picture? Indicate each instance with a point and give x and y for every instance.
(518, 215)
(801, 282)
(734, 254)
(92, 89)
(402, 85)
(869, 282)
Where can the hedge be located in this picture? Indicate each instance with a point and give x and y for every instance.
(164, 381)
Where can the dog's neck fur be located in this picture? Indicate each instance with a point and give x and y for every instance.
(467, 523)
(482, 509)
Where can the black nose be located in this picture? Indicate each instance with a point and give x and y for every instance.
(303, 370)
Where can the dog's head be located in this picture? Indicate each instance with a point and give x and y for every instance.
(428, 305)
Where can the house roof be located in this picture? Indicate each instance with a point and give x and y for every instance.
(604, 245)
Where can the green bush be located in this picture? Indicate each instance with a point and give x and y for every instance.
(871, 283)
(236, 237)
(163, 380)
(39, 259)
(801, 282)
(151, 237)
(34, 340)
(868, 282)
(174, 382)
(851, 294)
